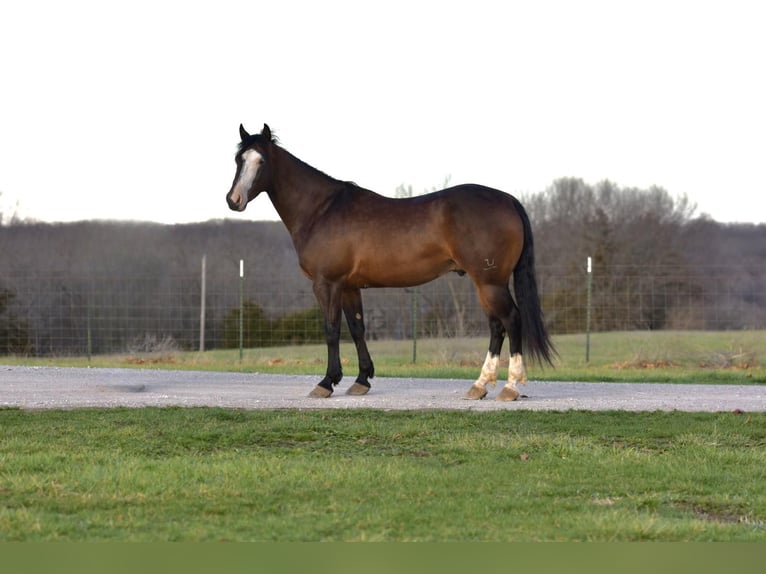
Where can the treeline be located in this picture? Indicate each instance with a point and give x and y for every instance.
(657, 265)
(702, 274)
(137, 285)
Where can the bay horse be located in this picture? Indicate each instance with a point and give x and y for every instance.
(348, 238)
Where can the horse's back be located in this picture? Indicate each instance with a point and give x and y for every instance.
(468, 210)
(476, 194)
(477, 206)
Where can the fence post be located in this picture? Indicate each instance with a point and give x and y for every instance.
(202, 308)
(588, 310)
(414, 324)
(89, 340)
(241, 306)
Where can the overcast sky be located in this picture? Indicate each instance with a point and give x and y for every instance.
(130, 110)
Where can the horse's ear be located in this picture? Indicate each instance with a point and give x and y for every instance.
(266, 132)
(243, 132)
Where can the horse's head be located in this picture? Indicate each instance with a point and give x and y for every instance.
(253, 173)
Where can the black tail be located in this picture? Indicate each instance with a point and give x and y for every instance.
(535, 341)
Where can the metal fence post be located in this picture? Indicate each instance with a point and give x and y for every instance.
(202, 308)
(241, 306)
(88, 311)
(588, 311)
(414, 324)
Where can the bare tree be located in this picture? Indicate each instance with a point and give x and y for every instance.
(619, 228)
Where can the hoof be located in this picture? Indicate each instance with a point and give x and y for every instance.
(357, 390)
(319, 393)
(508, 394)
(475, 393)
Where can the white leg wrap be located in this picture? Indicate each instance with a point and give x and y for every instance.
(517, 372)
(488, 371)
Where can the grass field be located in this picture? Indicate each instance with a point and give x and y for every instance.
(649, 356)
(212, 474)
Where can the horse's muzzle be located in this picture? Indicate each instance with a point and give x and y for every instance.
(236, 201)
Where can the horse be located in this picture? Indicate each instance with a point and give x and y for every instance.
(349, 238)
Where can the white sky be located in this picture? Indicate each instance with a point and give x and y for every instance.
(130, 110)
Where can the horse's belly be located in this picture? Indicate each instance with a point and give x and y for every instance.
(399, 272)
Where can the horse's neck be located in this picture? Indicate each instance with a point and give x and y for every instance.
(299, 191)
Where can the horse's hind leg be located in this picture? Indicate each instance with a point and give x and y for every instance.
(352, 309)
(488, 373)
(517, 373)
(504, 318)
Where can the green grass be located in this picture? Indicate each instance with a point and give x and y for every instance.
(215, 474)
(652, 356)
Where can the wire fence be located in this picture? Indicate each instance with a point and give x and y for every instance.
(58, 314)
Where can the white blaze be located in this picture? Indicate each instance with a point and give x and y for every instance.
(251, 164)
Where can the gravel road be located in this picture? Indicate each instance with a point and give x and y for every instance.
(70, 388)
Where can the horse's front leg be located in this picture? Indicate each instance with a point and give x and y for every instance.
(352, 309)
(329, 297)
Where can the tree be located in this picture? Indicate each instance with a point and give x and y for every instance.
(14, 332)
(403, 191)
(6, 219)
(256, 328)
(620, 228)
(303, 327)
